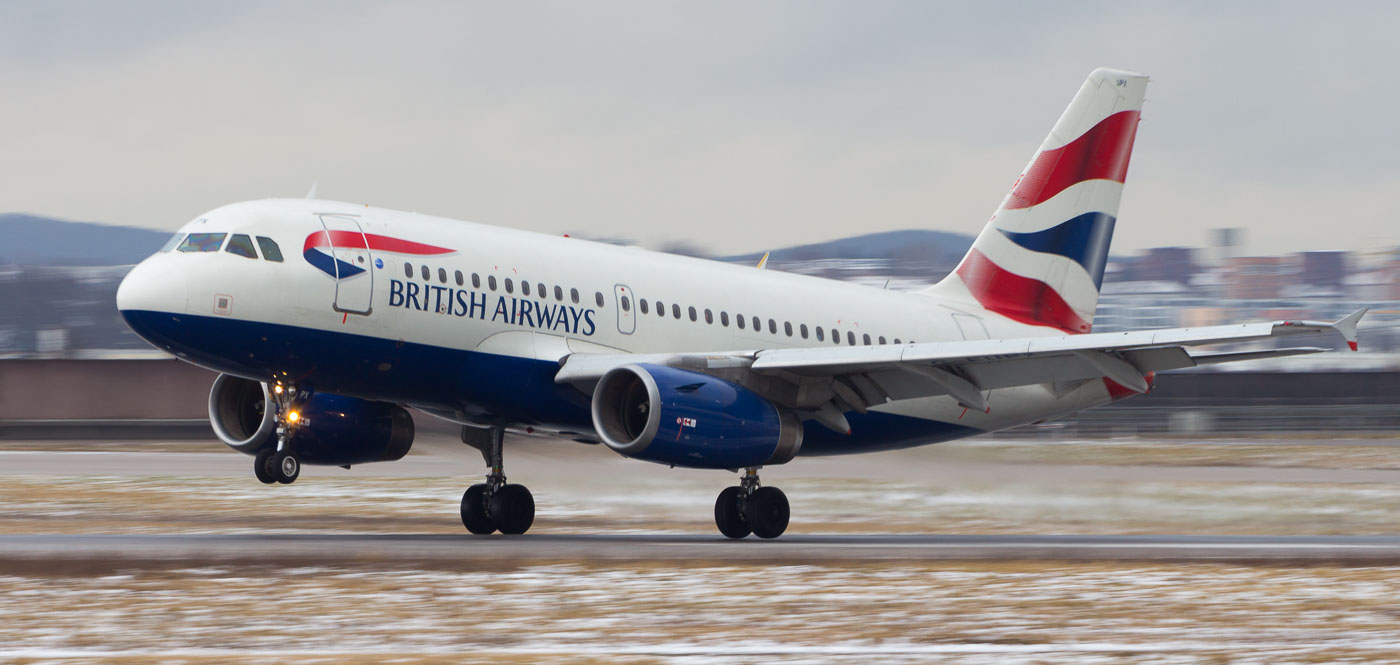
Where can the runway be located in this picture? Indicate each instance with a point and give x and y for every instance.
(437, 550)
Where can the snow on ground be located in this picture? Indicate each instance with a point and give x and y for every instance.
(726, 614)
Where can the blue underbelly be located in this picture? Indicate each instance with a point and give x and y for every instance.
(483, 386)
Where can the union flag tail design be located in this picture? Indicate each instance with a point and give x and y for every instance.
(1040, 260)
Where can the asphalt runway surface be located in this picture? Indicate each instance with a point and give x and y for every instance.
(437, 549)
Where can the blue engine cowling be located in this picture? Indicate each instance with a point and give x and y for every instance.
(683, 418)
(332, 430)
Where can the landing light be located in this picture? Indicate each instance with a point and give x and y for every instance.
(293, 416)
(277, 389)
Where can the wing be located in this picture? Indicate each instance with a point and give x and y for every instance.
(828, 381)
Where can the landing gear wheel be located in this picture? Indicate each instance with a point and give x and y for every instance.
(285, 466)
(767, 512)
(513, 508)
(474, 514)
(728, 515)
(262, 467)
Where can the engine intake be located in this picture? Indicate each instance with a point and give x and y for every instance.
(683, 418)
(333, 430)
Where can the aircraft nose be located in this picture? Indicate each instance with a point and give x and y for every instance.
(154, 285)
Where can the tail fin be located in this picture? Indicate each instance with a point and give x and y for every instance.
(1040, 260)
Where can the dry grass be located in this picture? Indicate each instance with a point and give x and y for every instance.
(429, 505)
(1373, 454)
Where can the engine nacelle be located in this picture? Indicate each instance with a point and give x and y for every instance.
(332, 429)
(682, 418)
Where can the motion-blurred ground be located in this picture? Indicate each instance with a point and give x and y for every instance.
(709, 611)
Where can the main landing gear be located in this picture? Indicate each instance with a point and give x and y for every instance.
(280, 464)
(495, 505)
(749, 508)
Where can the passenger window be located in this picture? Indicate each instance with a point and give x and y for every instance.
(835, 336)
(866, 339)
(739, 319)
(787, 328)
(803, 330)
(692, 314)
(757, 325)
(203, 242)
(458, 276)
(676, 310)
(408, 270)
(559, 294)
(427, 276)
(626, 304)
(542, 292)
(573, 294)
(172, 243)
(709, 317)
(491, 282)
(772, 327)
(820, 336)
(510, 286)
(643, 303)
(442, 275)
(896, 340)
(850, 338)
(882, 340)
(524, 287)
(270, 250)
(599, 298)
(241, 245)
(724, 319)
(476, 281)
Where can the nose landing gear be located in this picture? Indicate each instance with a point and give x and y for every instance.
(495, 505)
(749, 508)
(280, 464)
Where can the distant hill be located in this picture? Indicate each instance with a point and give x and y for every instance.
(913, 246)
(34, 240)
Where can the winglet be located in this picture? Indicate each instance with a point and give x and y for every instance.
(1347, 326)
(763, 262)
(311, 193)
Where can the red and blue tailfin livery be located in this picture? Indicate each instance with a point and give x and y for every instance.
(1040, 260)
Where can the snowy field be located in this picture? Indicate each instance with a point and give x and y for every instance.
(576, 613)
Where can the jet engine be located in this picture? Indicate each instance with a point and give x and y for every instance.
(683, 418)
(330, 429)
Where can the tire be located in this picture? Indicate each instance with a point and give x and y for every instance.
(728, 517)
(474, 515)
(262, 467)
(767, 512)
(513, 508)
(285, 467)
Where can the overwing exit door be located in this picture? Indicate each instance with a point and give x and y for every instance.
(354, 280)
(626, 306)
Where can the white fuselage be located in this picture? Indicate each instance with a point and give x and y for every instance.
(375, 333)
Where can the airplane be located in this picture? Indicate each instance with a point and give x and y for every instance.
(326, 321)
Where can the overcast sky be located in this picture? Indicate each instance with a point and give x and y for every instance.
(737, 126)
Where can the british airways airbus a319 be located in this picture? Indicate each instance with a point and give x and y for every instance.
(326, 320)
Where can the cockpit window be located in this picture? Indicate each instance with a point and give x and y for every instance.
(269, 248)
(203, 242)
(241, 245)
(172, 243)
